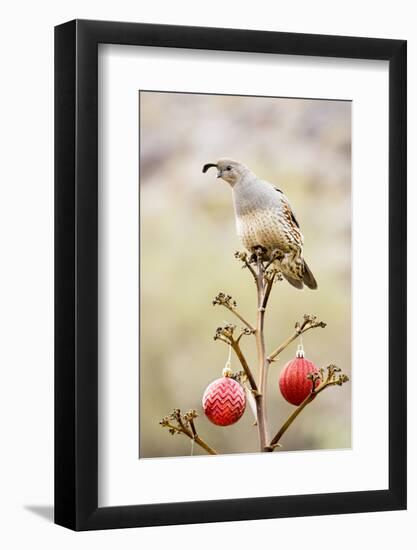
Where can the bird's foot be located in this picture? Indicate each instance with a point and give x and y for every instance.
(276, 254)
(253, 258)
(258, 253)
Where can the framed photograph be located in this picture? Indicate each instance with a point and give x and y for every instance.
(230, 247)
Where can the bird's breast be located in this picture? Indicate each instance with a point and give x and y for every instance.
(263, 227)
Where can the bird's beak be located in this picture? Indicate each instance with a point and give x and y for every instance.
(207, 166)
(219, 174)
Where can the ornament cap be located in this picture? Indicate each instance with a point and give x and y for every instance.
(227, 371)
(300, 351)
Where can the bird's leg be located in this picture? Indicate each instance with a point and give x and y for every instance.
(275, 255)
(258, 252)
(253, 258)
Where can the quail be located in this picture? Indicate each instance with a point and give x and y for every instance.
(265, 221)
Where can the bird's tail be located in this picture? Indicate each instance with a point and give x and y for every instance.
(293, 281)
(298, 274)
(308, 277)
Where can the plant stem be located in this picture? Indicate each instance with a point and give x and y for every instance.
(253, 272)
(297, 411)
(236, 348)
(288, 341)
(252, 328)
(205, 445)
(193, 435)
(281, 348)
(291, 419)
(267, 292)
(262, 362)
(200, 441)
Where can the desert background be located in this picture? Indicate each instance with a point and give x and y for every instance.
(187, 245)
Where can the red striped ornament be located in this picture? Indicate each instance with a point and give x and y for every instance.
(224, 400)
(293, 381)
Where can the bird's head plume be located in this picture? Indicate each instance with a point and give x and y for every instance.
(229, 170)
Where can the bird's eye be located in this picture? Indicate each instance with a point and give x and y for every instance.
(228, 167)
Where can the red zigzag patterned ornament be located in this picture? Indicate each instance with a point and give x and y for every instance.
(224, 400)
(293, 381)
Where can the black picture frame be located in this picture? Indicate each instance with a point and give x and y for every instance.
(76, 272)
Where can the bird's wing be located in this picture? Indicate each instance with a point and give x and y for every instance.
(288, 212)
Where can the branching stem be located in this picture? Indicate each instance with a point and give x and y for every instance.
(264, 279)
(290, 420)
(332, 379)
(236, 348)
(262, 362)
(184, 424)
(205, 445)
(253, 272)
(237, 314)
(267, 293)
(309, 323)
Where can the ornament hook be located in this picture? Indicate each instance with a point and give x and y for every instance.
(227, 371)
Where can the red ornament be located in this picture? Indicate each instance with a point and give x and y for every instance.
(293, 381)
(224, 400)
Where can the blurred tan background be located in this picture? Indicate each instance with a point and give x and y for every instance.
(187, 243)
